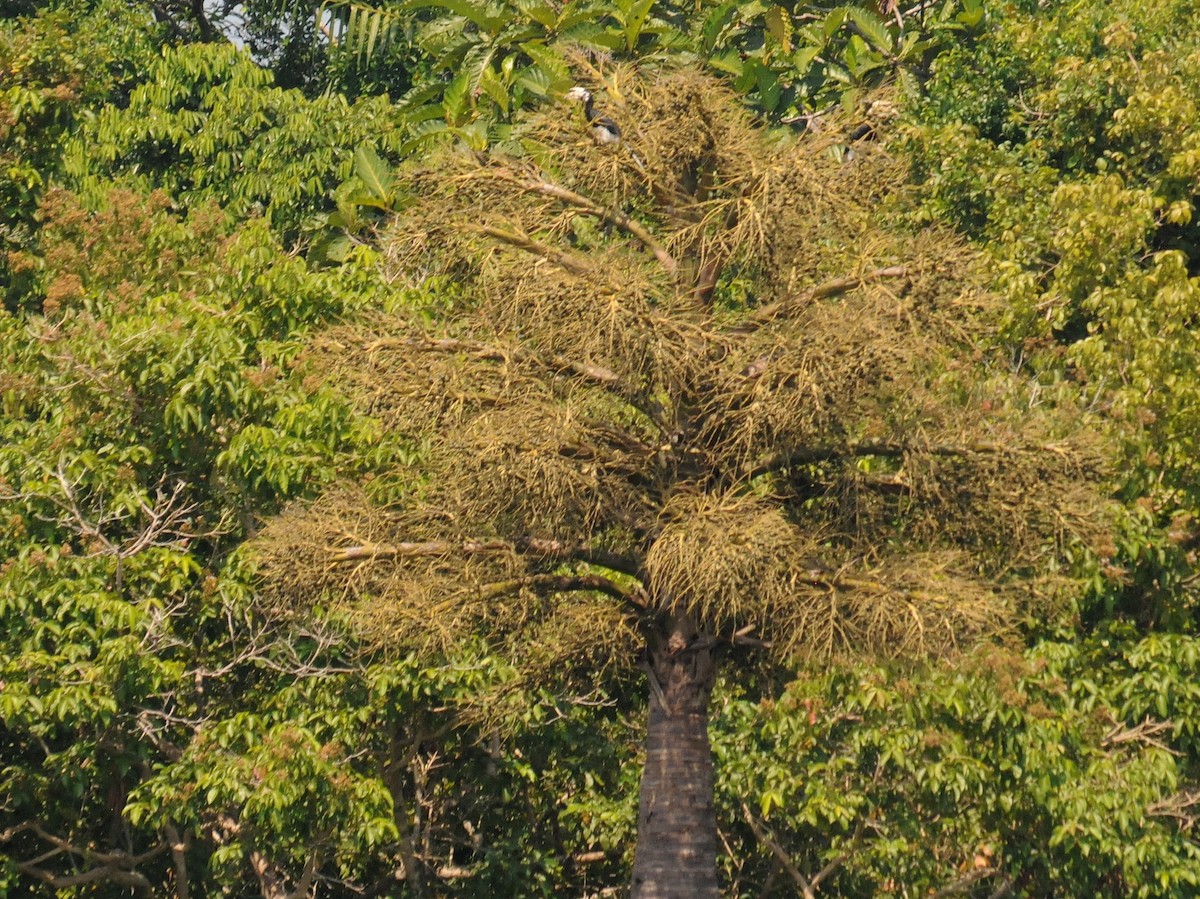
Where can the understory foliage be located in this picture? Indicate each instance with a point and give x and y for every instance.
(49, 82)
(996, 775)
(149, 410)
(208, 124)
(482, 64)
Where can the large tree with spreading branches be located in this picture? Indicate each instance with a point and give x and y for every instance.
(685, 393)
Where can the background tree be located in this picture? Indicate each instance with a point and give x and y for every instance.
(51, 82)
(690, 396)
(1100, 152)
(985, 777)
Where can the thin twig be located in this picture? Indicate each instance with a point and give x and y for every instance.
(588, 370)
(764, 836)
(831, 288)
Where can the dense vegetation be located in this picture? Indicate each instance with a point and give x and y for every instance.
(266, 323)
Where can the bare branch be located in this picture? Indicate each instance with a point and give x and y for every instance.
(591, 372)
(522, 241)
(809, 455)
(529, 546)
(786, 306)
(1147, 733)
(809, 886)
(764, 836)
(582, 203)
(566, 583)
(165, 517)
(966, 882)
(111, 867)
(1184, 807)
(179, 847)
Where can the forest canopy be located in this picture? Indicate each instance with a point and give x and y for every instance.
(768, 469)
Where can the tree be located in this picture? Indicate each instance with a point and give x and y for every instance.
(1072, 162)
(679, 398)
(148, 412)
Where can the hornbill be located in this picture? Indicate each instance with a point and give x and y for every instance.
(602, 128)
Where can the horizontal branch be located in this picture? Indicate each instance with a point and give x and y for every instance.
(522, 241)
(107, 873)
(567, 583)
(833, 288)
(602, 377)
(612, 216)
(1148, 733)
(597, 373)
(1184, 807)
(538, 547)
(809, 455)
(113, 867)
(831, 580)
(965, 884)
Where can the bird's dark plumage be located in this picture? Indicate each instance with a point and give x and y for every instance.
(602, 128)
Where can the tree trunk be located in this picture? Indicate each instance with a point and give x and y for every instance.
(677, 827)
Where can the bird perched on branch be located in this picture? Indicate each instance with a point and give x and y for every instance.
(602, 128)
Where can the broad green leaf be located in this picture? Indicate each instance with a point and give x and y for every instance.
(493, 87)
(729, 61)
(374, 172)
(539, 11)
(536, 81)
(473, 12)
(833, 21)
(872, 28)
(803, 58)
(549, 60)
(716, 22)
(454, 102)
(635, 15)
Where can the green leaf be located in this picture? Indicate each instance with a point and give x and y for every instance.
(716, 22)
(539, 11)
(832, 22)
(374, 172)
(491, 85)
(803, 58)
(872, 28)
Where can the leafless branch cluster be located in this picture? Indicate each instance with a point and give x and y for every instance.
(84, 863)
(160, 517)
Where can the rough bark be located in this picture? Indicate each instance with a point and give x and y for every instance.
(677, 829)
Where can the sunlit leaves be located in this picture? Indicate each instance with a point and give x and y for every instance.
(1002, 767)
(208, 123)
(792, 64)
(1065, 142)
